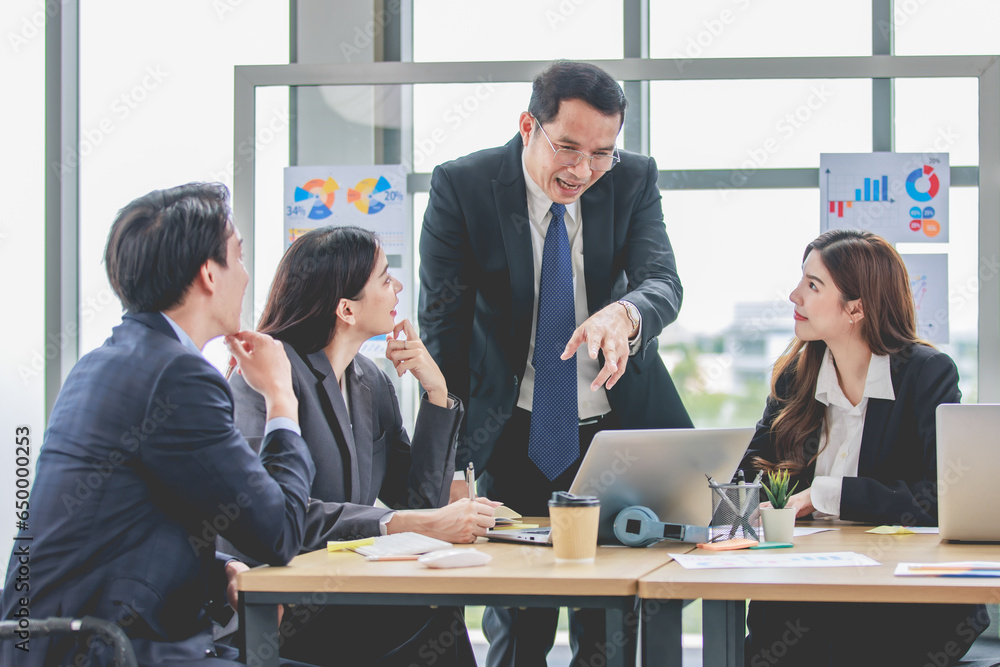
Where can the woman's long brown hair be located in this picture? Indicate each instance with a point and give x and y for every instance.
(863, 266)
(319, 269)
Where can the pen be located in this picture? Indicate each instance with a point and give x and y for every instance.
(470, 479)
(742, 501)
(722, 494)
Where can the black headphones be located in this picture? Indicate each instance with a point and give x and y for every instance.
(638, 526)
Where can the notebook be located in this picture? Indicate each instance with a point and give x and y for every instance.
(662, 469)
(968, 461)
(400, 544)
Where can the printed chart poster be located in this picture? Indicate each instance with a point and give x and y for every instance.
(929, 282)
(369, 196)
(902, 197)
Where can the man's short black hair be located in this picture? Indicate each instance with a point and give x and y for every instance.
(159, 242)
(568, 80)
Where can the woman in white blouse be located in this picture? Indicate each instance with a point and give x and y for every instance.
(851, 416)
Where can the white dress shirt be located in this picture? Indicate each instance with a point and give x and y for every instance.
(843, 426)
(590, 403)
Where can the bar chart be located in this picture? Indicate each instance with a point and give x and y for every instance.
(900, 196)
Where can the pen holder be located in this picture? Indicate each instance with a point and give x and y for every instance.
(735, 511)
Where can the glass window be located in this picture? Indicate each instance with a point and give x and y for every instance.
(940, 116)
(965, 271)
(160, 117)
(271, 142)
(743, 28)
(759, 124)
(452, 120)
(22, 247)
(736, 317)
(337, 126)
(957, 27)
(517, 30)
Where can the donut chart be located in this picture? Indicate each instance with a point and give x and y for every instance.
(915, 175)
(361, 194)
(323, 191)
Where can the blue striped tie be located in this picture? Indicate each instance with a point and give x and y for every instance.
(554, 439)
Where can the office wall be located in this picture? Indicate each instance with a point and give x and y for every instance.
(22, 346)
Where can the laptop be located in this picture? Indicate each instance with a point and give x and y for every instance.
(968, 459)
(662, 469)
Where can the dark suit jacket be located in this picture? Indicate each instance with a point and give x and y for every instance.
(374, 459)
(140, 467)
(897, 468)
(477, 286)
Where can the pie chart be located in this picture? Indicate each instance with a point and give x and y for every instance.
(360, 194)
(323, 192)
(916, 175)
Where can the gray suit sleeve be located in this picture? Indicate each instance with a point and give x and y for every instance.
(324, 521)
(430, 460)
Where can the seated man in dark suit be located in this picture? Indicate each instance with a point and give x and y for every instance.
(141, 463)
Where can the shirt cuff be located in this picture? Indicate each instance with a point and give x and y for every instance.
(636, 343)
(282, 422)
(825, 494)
(459, 476)
(451, 401)
(383, 523)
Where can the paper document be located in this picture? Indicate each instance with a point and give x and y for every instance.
(904, 530)
(741, 560)
(957, 569)
(802, 532)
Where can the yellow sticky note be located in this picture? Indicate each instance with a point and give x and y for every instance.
(514, 526)
(891, 530)
(340, 545)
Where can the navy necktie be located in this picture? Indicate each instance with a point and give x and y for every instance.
(554, 439)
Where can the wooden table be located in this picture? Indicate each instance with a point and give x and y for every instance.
(724, 591)
(518, 576)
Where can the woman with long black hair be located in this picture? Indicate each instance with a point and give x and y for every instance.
(851, 416)
(332, 292)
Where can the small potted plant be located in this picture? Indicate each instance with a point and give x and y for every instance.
(778, 520)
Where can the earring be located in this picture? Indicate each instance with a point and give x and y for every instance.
(852, 322)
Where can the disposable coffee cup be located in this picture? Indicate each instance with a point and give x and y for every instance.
(574, 522)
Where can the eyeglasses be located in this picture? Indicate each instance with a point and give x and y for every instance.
(569, 158)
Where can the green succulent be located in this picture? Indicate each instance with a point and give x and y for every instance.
(776, 488)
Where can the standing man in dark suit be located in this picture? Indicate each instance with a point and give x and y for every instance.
(141, 465)
(530, 252)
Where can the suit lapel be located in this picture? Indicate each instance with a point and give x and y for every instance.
(340, 424)
(597, 207)
(877, 417)
(873, 437)
(361, 418)
(511, 198)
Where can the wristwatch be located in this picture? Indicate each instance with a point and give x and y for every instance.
(633, 314)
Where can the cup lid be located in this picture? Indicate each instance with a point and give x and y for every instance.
(566, 499)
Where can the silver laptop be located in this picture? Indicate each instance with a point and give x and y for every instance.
(662, 469)
(968, 459)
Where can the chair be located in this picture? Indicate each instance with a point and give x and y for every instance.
(109, 632)
(985, 651)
